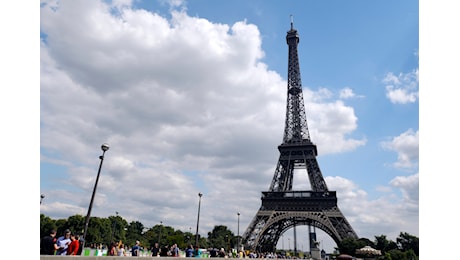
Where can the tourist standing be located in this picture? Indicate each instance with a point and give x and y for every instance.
(74, 245)
(136, 249)
(63, 243)
(189, 251)
(155, 250)
(48, 243)
(121, 250)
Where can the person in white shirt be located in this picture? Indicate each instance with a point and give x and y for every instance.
(63, 243)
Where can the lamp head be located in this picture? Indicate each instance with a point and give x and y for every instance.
(105, 147)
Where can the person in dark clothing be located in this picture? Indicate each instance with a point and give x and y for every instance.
(189, 251)
(80, 248)
(164, 250)
(213, 252)
(155, 250)
(48, 244)
(136, 249)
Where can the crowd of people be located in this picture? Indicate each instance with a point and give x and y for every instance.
(69, 244)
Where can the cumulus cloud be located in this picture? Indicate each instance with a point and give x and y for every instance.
(347, 93)
(402, 88)
(370, 216)
(407, 147)
(409, 186)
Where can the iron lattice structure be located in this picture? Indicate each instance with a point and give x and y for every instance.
(282, 208)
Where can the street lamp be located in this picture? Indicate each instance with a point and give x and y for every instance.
(104, 148)
(114, 225)
(42, 196)
(238, 237)
(198, 219)
(159, 233)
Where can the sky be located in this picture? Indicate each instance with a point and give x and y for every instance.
(191, 98)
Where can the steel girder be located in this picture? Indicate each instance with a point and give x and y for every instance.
(281, 207)
(267, 226)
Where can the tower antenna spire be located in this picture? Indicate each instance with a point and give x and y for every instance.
(292, 22)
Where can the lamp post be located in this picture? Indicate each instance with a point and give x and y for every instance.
(42, 196)
(159, 234)
(104, 148)
(113, 226)
(238, 237)
(282, 241)
(198, 219)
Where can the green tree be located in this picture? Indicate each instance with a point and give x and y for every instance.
(381, 243)
(99, 231)
(118, 228)
(396, 254)
(408, 242)
(46, 224)
(134, 233)
(350, 245)
(410, 255)
(218, 237)
(76, 224)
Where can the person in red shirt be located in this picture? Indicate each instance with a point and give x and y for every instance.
(74, 245)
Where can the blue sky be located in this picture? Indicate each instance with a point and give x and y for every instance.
(190, 95)
(191, 98)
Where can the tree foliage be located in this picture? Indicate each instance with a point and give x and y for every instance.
(406, 246)
(115, 228)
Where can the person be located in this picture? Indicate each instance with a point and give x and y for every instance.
(197, 252)
(121, 250)
(212, 252)
(74, 245)
(175, 250)
(112, 249)
(164, 251)
(222, 252)
(189, 251)
(63, 243)
(155, 250)
(135, 250)
(48, 243)
(81, 240)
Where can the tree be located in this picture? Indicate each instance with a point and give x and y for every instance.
(349, 245)
(46, 224)
(396, 254)
(218, 237)
(408, 242)
(134, 233)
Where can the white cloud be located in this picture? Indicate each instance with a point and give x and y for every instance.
(407, 147)
(347, 93)
(403, 88)
(409, 186)
(331, 123)
(369, 217)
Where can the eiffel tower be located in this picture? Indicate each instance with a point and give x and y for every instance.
(283, 208)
